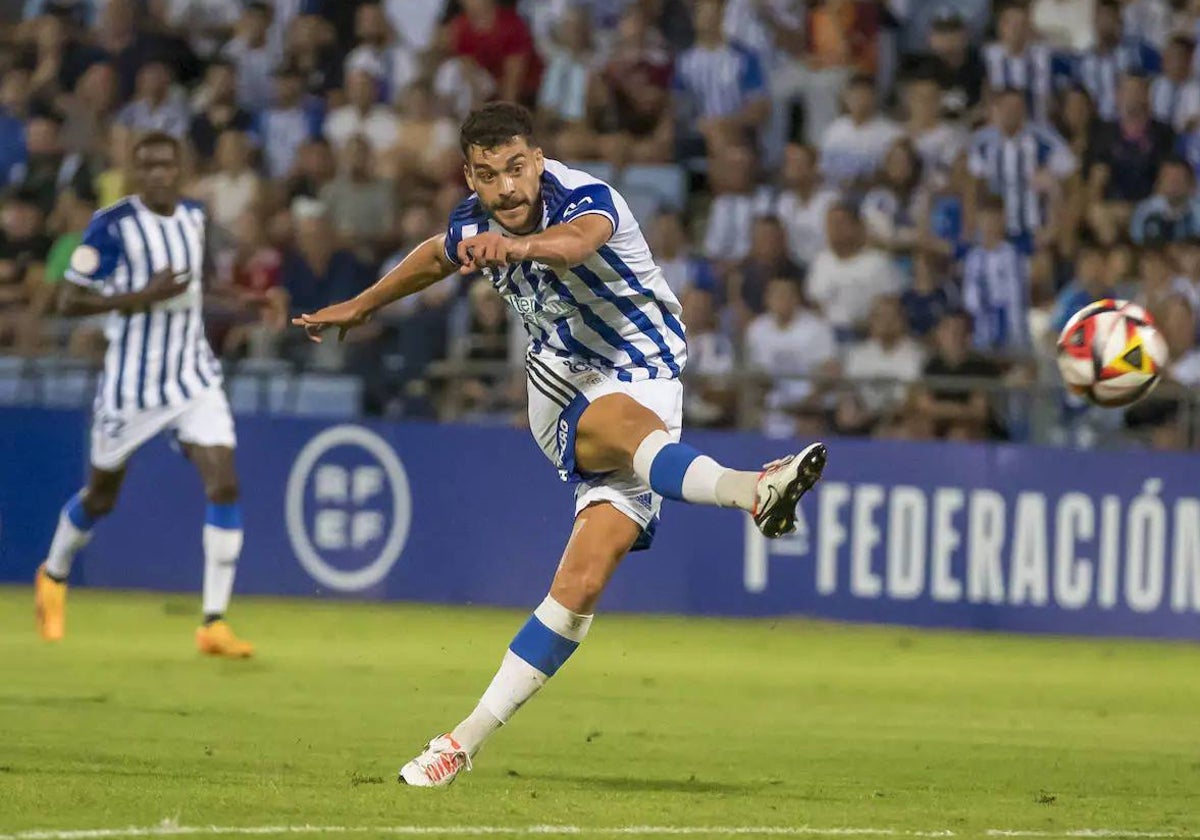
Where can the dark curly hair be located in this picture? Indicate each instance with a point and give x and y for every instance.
(494, 124)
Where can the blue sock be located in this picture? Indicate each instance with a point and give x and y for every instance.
(79, 517)
(228, 516)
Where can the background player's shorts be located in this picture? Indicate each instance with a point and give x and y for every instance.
(559, 391)
(204, 420)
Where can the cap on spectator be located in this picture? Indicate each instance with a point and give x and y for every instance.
(308, 208)
(948, 19)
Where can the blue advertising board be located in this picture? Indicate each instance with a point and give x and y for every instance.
(944, 535)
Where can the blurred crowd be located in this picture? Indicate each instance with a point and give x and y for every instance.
(890, 207)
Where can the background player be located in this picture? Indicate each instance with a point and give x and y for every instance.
(605, 400)
(142, 261)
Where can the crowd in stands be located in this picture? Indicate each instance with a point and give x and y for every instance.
(888, 207)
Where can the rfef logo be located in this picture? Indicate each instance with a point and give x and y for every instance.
(348, 508)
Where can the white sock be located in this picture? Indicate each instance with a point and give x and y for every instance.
(690, 476)
(68, 541)
(221, 549)
(548, 638)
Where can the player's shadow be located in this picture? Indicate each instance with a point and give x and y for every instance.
(643, 785)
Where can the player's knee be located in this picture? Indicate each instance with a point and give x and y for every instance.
(222, 490)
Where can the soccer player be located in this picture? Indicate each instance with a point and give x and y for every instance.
(142, 261)
(605, 400)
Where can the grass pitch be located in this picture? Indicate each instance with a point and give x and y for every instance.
(662, 722)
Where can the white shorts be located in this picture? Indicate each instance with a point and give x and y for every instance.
(204, 420)
(559, 391)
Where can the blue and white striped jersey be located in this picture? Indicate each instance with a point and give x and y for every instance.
(1037, 71)
(996, 293)
(1098, 72)
(718, 81)
(157, 356)
(614, 310)
(1010, 165)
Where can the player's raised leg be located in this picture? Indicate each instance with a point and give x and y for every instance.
(79, 515)
(617, 433)
(601, 537)
(222, 548)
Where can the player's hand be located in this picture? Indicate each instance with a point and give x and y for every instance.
(163, 285)
(489, 250)
(345, 316)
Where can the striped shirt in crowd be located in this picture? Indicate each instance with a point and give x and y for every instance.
(1175, 103)
(1037, 71)
(719, 81)
(1100, 72)
(996, 293)
(1009, 167)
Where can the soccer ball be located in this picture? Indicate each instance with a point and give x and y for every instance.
(1111, 354)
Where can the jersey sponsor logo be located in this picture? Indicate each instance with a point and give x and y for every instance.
(348, 508)
(85, 260)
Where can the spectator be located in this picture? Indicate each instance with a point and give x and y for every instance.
(727, 238)
(458, 81)
(497, 39)
(233, 189)
(930, 297)
(775, 32)
(1127, 155)
(1024, 165)
(315, 271)
(85, 338)
(89, 110)
(380, 53)
(1078, 124)
(938, 140)
(767, 260)
(854, 145)
(362, 115)
(426, 149)
(206, 23)
(254, 275)
(722, 85)
(634, 89)
(288, 124)
(361, 204)
(1114, 55)
(1066, 24)
(682, 267)
(845, 33)
(311, 51)
(23, 248)
(1178, 325)
(710, 398)
(957, 410)
(130, 49)
(1089, 285)
(1014, 61)
(415, 22)
(253, 56)
(879, 368)
(486, 337)
(1172, 213)
(894, 207)
(562, 103)
(1148, 19)
(14, 108)
(1159, 280)
(802, 205)
(1160, 414)
(996, 286)
(955, 64)
(848, 276)
(315, 167)
(789, 345)
(1175, 95)
(49, 169)
(156, 107)
(217, 109)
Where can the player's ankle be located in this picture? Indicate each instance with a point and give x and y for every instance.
(212, 618)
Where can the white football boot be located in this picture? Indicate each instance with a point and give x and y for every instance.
(780, 486)
(438, 766)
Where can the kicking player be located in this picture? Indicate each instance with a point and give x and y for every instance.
(605, 401)
(142, 261)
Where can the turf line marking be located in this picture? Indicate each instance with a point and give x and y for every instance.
(169, 829)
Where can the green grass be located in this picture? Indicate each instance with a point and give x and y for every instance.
(656, 721)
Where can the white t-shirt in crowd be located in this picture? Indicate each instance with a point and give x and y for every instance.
(729, 221)
(789, 353)
(1066, 23)
(846, 288)
(902, 362)
(850, 151)
(379, 126)
(804, 220)
(414, 21)
(1186, 369)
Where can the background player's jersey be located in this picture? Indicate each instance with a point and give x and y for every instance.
(157, 356)
(614, 310)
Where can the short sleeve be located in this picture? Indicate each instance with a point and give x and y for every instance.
(464, 223)
(95, 258)
(590, 200)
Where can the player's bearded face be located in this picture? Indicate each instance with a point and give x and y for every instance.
(507, 179)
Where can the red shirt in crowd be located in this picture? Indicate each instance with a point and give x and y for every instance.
(508, 36)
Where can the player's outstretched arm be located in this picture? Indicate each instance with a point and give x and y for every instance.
(75, 301)
(424, 266)
(559, 246)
